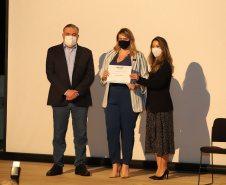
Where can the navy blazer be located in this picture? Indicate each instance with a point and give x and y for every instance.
(158, 85)
(57, 74)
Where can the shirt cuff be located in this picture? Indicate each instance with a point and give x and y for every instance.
(66, 92)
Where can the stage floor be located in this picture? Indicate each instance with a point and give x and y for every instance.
(33, 173)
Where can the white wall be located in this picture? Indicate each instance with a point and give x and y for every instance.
(194, 29)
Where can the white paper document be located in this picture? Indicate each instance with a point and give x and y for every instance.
(119, 74)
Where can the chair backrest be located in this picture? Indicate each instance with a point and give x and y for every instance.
(219, 130)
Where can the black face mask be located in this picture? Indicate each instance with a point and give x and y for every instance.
(124, 44)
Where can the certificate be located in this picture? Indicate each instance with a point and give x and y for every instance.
(119, 74)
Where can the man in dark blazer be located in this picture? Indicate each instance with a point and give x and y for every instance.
(70, 71)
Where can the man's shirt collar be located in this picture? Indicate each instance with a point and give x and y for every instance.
(75, 47)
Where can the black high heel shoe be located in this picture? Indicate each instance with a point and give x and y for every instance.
(152, 177)
(166, 173)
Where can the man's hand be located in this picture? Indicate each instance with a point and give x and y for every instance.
(71, 95)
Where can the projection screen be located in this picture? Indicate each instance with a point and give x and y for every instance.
(194, 29)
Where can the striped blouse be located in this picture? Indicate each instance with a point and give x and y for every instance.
(139, 65)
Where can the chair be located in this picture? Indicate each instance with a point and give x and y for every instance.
(218, 135)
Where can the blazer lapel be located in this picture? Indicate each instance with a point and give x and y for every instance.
(64, 61)
(77, 57)
(134, 64)
(111, 58)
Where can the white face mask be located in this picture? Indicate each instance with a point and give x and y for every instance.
(70, 40)
(156, 51)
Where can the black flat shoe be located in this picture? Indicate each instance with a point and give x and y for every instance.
(166, 173)
(152, 177)
(81, 170)
(55, 170)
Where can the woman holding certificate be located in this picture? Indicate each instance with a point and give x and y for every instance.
(123, 100)
(159, 122)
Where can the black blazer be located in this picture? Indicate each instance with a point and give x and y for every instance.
(158, 84)
(57, 74)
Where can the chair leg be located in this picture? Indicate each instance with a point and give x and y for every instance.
(200, 167)
(212, 167)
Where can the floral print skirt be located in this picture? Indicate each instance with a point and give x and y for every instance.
(159, 133)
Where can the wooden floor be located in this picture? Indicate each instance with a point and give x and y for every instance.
(33, 173)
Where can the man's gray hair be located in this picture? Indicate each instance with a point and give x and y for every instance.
(71, 26)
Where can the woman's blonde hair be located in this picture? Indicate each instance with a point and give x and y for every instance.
(127, 33)
(154, 62)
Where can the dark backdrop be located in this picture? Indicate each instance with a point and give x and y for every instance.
(2, 35)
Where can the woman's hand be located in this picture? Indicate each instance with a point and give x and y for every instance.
(134, 76)
(131, 86)
(105, 75)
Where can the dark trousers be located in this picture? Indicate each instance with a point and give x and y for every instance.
(79, 122)
(120, 118)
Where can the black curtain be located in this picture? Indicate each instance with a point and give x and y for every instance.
(2, 35)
